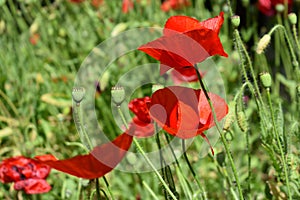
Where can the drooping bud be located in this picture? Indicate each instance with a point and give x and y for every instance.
(293, 18)
(117, 95)
(266, 79)
(263, 43)
(235, 20)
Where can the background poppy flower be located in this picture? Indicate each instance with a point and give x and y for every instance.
(101, 160)
(127, 5)
(267, 7)
(174, 5)
(186, 42)
(26, 173)
(185, 112)
(142, 122)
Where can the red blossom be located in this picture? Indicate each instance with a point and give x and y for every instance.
(185, 112)
(186, 42)
(185, 74)
(127, 5)
(101, 160)
(141, 122)
(174, 5)
(26, 173)
(267, 7)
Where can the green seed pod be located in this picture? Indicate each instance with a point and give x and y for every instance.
(279, 8)
(235, 20)
(266, 79)
(293, 18)
(78, 94)
(242, 121)
(156, 87)
(117, 95)
(263, 43)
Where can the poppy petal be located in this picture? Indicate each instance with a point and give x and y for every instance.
(183, 24)
(33, 186)
(180, 24)
(180, 50)
(101, 160)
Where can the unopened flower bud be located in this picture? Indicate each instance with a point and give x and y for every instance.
(235, 20)
(156, 87)
(279, 8)
(266, 79)
(263, 43)
(117, 95)
(78, 94)
(293, 18)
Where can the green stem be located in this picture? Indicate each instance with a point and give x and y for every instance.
(296, 38)
(279, 145)
(191, 167)
(108, 188)
(224, 141)
(97, 189)
(140, 149)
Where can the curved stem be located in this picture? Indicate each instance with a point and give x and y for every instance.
(279, 145)
(224, 141)
(140, 149)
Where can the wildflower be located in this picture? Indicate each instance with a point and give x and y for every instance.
(26, 173)
(142, 122)
(101, 160)
(185, 42)
(185, 112)
(268, 7)
(127, 5)
(174, 5)
(185, 74)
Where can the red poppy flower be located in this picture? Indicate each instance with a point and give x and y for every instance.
(186, 42)
(26, 173)
(185, 112)
(101, 160)
(127, 5)
(174, 4)
(267, 7)
(142, 122)
(185, 74)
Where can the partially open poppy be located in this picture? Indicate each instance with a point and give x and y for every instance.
(185, 112)
(185, 42)
(101, 160)
(142, 122)
(26, 173)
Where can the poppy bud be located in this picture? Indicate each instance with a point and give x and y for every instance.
(263, 43)
(279, 8)
(78, 94)
(235, 20)
(266, 79)
(156, 87)
(293, 18)
(230, 117)
(117, 95)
